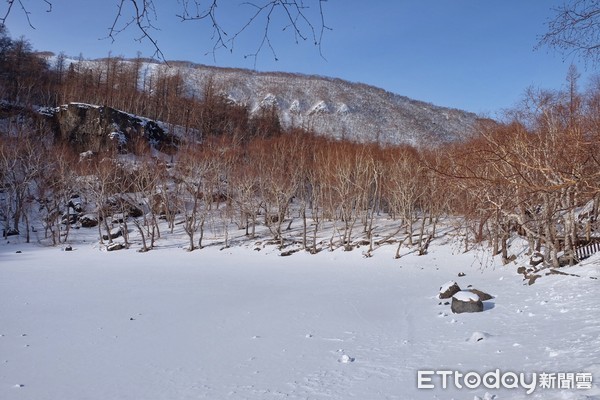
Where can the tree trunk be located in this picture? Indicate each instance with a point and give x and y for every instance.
(141, 230)
(26, 220)
(201, 234)
(304, 228)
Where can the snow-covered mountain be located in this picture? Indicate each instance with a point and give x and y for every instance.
(332, 106)
(325, 105)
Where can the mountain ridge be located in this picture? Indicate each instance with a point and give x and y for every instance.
(340, 108)
(328, 106)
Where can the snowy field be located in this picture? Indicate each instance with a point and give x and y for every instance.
(245, 324)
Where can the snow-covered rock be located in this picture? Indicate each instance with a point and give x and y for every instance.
(92, 129)
(448, 289)
(478, 337)
(346, 359)
(115, 246)
(483, 296)
(114, 233)
(536, 259)
(88, 220)
(466, 301)
(466, 295)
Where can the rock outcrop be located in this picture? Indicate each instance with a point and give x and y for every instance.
(99, 128)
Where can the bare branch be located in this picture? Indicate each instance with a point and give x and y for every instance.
(575, 30)
(9, 9)
(25, 10)
(294, 14)
(141, 16)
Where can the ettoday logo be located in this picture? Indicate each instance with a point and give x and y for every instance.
(497, 379)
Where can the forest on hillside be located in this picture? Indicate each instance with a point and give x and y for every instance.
(536, 175)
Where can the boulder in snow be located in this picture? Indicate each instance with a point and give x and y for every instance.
(10, 232)
(115, 246)
(75, 203)
(478, 337)
(118, 218)
(346, 359)
(483, 296)
(466, 301)
(448, 290)
(536, 259)
(69, 218)
(88, 221)
(114, 233)
(532, 278)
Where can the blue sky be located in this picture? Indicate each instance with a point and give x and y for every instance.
(470, 54)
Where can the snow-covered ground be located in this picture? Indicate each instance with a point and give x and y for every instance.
(245, 324)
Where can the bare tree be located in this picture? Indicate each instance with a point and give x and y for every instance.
(53, 189)
(21, 158)
(147, 175)
(100, 181)
(192, 170)
(278, 181)
(404, 187)
(245, 184)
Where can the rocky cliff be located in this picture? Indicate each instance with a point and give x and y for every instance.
(98, 128)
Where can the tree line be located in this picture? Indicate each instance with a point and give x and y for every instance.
(536, 175)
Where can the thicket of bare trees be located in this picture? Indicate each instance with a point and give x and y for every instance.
(536, 175)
